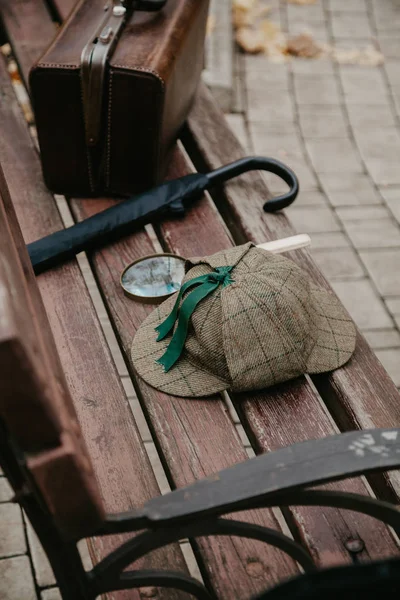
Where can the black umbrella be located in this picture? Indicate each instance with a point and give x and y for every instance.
(170, 198)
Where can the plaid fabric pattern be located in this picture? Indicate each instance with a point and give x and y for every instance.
(270, 325)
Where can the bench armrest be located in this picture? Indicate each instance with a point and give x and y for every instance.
(272, 476)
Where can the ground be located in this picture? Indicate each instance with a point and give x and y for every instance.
(338, 126)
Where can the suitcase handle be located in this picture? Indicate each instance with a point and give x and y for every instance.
(95, 55)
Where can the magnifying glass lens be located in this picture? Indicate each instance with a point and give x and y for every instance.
(153, 278)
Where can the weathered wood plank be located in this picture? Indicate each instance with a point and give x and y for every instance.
(196, 437)
(360, 394)
(34, 399)
(20, 18)
(290, 413)
(324, 531)
(120, 461)
(157, 409)
(187, 438)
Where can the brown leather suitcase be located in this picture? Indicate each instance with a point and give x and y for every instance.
(112, 91)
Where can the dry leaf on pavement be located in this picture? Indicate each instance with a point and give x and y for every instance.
(304, 46)
(250, 40)
(365, 57)
(243, 13)
(303, 2)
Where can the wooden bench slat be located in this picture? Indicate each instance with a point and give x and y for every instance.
(291, 413)
(196, 437)
(167, 410)
(120, 461)
(34, 400)
(201, 231)
(361, 394)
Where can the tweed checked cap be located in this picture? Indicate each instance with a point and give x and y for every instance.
(268, 323)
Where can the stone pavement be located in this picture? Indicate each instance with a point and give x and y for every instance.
(338, 127)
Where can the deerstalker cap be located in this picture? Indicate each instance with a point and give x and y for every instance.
(245, 319)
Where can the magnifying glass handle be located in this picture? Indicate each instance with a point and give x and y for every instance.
(260, 163)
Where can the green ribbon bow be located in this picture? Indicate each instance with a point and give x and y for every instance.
(207, 284)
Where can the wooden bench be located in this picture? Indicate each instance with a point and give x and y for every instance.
(194, 438)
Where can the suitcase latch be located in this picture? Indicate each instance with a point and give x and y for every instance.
(95, 55)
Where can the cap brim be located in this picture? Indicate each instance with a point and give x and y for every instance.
(335, 333)
(184, 379)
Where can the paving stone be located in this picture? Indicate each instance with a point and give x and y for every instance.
(363, 116)
(383, 338)
(316, 89)
(322, 122)
(16, 581)
(358, 6)
(384, 268)
(269, 106)
(392, 199)
(6, 492)
(265, 78)
(334, 156)
(396, 99)
(335, 239)
(363, 304)
(218, 73)
(392, 71)
(350, 25)
(358, 213)
(259, 129)
(43, 571)
(380, 150)
(382, 233)
(275, 73)
(387, 15)
(310, 12)
(338, 264)
(304, 173)
(311, 198)
(363, 86)
(390, 46)
(52, 594)
(305, 66)
(287, 148)
(313, 220)
(390, 359)
(349, 189)
(238, 126)
(12, 536)
(289, 145)
(393, 305)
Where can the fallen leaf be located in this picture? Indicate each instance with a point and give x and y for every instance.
(269, 29)
(243, 13)
(365, 57)
(250, 40)
(302, 2)
(304, 46)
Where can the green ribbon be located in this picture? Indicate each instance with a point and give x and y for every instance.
(206, 285)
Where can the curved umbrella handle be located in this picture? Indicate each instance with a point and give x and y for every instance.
(260, 163)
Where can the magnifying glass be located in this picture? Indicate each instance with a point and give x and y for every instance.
(154, 278)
